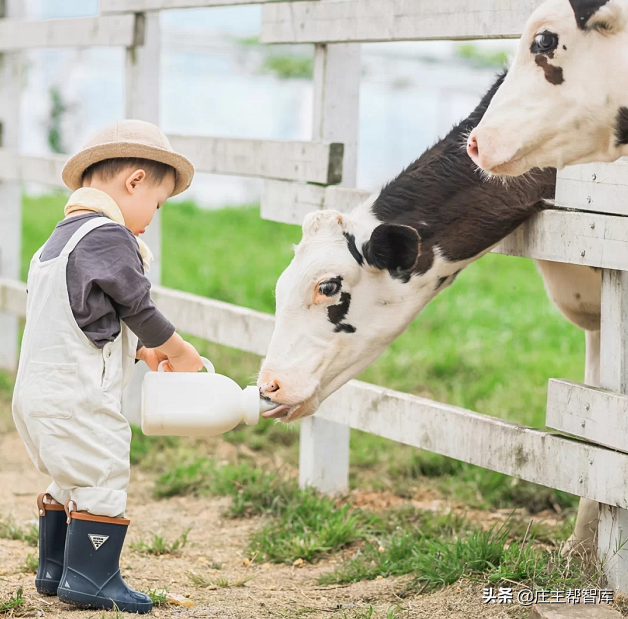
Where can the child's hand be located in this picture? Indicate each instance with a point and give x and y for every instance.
(187, 361)
(152, 357)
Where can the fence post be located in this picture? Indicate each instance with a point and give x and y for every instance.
(613, 521)
(10, 192)
(142, 92)
(324, 445)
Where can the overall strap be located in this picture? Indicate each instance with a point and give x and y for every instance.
(85, 229)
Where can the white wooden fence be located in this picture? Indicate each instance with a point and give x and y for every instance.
(299, 178)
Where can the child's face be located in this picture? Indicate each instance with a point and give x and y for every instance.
(140, 197)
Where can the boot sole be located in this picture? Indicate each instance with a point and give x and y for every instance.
(46, 587)
(84, 600)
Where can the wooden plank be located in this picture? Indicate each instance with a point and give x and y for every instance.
(111, 30)
(593, 414)
(31, 169)
(316, 162)
(324, 447)
(573, 237)
(13, 297)
(223, 323)
(289, 203)
(11, 76)
(595, 187)
(323, 461)
(138, 6)
(345, 199)
(526, 453)
(394, 20)
(215, 321)
(612, 535)
(613, 521)
(142, 97)
(613, 342)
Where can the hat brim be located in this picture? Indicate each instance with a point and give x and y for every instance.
(74, 169)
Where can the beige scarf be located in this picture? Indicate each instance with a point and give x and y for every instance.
(90, 199)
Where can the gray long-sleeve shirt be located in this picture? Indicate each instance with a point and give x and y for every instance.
(106, 283)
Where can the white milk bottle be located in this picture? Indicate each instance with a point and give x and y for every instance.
(197, 403)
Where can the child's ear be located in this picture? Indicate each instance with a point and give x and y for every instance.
(134, 179)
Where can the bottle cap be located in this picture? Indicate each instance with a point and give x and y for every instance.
(251, 405)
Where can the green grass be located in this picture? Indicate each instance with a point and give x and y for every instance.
(289, 67)
(10, 530)
(144, 447)
(14, 604)
(305, 525)
(158, 596)
(253, 490)
(159, 546)
(464, 551)
(208, 582)
(31, 564)
(309, 526)
(481, 57)
(438, 548)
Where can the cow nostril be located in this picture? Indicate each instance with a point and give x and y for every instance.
(472, 147)
(271, 386)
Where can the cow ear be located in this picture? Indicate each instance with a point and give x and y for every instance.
(606, 16)
(392, 247)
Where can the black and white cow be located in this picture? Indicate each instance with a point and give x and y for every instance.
(358, 280)
(565, 99)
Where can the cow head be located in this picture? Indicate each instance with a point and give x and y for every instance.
(564, 99)
(344, 297)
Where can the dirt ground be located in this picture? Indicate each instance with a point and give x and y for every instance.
(270, 591)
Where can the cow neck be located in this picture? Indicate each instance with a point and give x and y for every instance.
(459, 213)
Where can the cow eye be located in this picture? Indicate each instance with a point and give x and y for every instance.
(330, 287)
(544, 42)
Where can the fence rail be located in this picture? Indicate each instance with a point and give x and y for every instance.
(31, 169)
(353, 21)
(137, 6)
(110, 30)
(578, 410)
(316, 162)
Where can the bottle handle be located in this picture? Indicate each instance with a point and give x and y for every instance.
(207, 364)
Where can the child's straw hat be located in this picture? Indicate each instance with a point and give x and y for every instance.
(129, 138)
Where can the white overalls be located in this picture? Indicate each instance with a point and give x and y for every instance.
(68, 392)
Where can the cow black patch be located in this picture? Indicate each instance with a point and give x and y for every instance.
(584, 9)
(621, 126)
(451, 278)
(441, 281)
(553, 74)
(337, 313)
(353, 249)
(346, 327)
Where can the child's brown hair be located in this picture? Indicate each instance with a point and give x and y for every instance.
(110, 168)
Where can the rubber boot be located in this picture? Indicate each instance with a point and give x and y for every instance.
(91, 571)
(52, 530)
